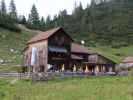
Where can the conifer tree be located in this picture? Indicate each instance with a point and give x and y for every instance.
(22, 19)
(13, 10)
(78, 11)
(93, 3)
(3, 8)
(48, 22)
(42, 23)
(33, 19)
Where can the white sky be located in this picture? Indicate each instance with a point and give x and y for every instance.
(46, 7)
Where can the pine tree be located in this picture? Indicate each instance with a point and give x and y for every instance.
(63, 13)
(48, 22)
(42, 23)
(55, 20)
(29, 20)
(86, 19)
(22, 19)
(78, 11)
(34, 17)
(13, 10)
(77, 16)
(60, 21)
(93, 3)
(3, 8)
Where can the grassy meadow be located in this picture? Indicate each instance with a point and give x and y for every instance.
(90, 88)
(9, 68)
(16, 41)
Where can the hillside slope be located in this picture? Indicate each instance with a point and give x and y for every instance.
(12, 44)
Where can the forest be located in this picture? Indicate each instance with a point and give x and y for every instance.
(103, 22)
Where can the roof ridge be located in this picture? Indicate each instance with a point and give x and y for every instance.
(44, 35)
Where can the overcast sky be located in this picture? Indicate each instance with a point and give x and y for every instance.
(46, 7)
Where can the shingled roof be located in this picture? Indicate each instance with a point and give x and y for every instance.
(77, 48)
(45, 35)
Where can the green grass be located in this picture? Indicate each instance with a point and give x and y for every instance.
(91, 88)
(6, 69)
(12, 40)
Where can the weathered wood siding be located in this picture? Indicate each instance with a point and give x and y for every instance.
(60, 40)
(97, 59)
(103, 60)
(42, 55)
(27, 58)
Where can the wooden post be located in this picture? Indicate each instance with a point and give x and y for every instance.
(45, 58)
(104, 69)
(110, 69)
(80, 68)
(100, 68)
(29, 71)
(97, 68)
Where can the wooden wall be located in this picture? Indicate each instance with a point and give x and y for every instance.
(42, 56)
(98, 59)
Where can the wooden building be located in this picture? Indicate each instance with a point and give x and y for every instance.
(99, 63)
(127, 62)
(56, 50)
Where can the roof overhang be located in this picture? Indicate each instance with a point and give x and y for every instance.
(75, 57)
(45, 35)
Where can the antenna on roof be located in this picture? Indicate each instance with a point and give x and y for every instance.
(82, 42)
